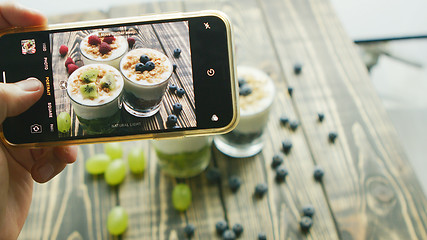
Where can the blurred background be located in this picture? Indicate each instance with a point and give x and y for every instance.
(392, 38)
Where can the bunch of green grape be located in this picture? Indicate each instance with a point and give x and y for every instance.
(111, 163)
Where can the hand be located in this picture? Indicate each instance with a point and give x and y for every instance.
(19, 166)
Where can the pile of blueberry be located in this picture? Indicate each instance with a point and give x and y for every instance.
(307, 219)
(145, 64)
(175, 90)
(227, 234)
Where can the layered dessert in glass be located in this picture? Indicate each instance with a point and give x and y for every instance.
(146, 75)
(103, 47)
(256, 94)
(95, 92)
(185, 157)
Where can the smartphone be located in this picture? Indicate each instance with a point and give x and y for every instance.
(158, 76)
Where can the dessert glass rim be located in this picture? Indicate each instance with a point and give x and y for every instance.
(145, 84)
(271, 82)
(100, 59)
(104, 103)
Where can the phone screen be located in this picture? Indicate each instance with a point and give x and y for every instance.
(121, 79)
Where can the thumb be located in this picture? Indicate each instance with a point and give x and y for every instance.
(17, 97)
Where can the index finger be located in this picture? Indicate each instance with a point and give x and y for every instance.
(14, 15)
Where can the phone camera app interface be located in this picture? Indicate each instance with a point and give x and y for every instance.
(123, 80)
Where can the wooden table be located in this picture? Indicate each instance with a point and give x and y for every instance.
(369, 190)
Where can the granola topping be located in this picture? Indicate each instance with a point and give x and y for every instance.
(161, 72)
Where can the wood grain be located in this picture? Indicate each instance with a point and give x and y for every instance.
(152, 213)
(278, 213)
(369, 190)
(370, 186)
(72, 205)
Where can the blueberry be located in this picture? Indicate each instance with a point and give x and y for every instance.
(150, 66)
(213, 175)
(221, 226)
(320, 117)
(318, 173)
(281, 174)
(308, 211)
(293, 125)
(177, 108)
(305, 223)
(284, 120)
(277, 160)
(176, 52)
(261, 189)
(286, 146)
(234, 182)
(174, 67)
(144, 58)
(242, 82)
(228, 235)
(189, 230)
(173, 87)
(262, 236)
(171, 121)
(297, 68)
(140, 67)
(180, 92)
(290, 91)
(332, 137)
(238, 229)
(245, 90)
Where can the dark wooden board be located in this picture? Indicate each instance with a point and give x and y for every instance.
(73, 205)
(149, 199)
(278, 214)
(371, 188)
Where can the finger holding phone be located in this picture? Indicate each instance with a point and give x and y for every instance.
(20, 166)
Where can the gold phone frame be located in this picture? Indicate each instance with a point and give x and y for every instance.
(142, 19)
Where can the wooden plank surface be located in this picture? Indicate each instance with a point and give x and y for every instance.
(278, 214)
(369, 190)
(72, 206)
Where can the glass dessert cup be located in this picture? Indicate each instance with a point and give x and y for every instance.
(91, 54)
(246, 139)
(144, 90)
(96, 115)
(185, 157)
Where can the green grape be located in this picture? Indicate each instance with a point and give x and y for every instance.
(97, 163)
(114, 150)
(64, 122)
(117, 221)
(115, 172)
(181, 197)
(136, 160)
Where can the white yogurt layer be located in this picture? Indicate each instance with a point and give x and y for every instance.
(182, 145)
(161, 72)
(255, 107)
(119, 47)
